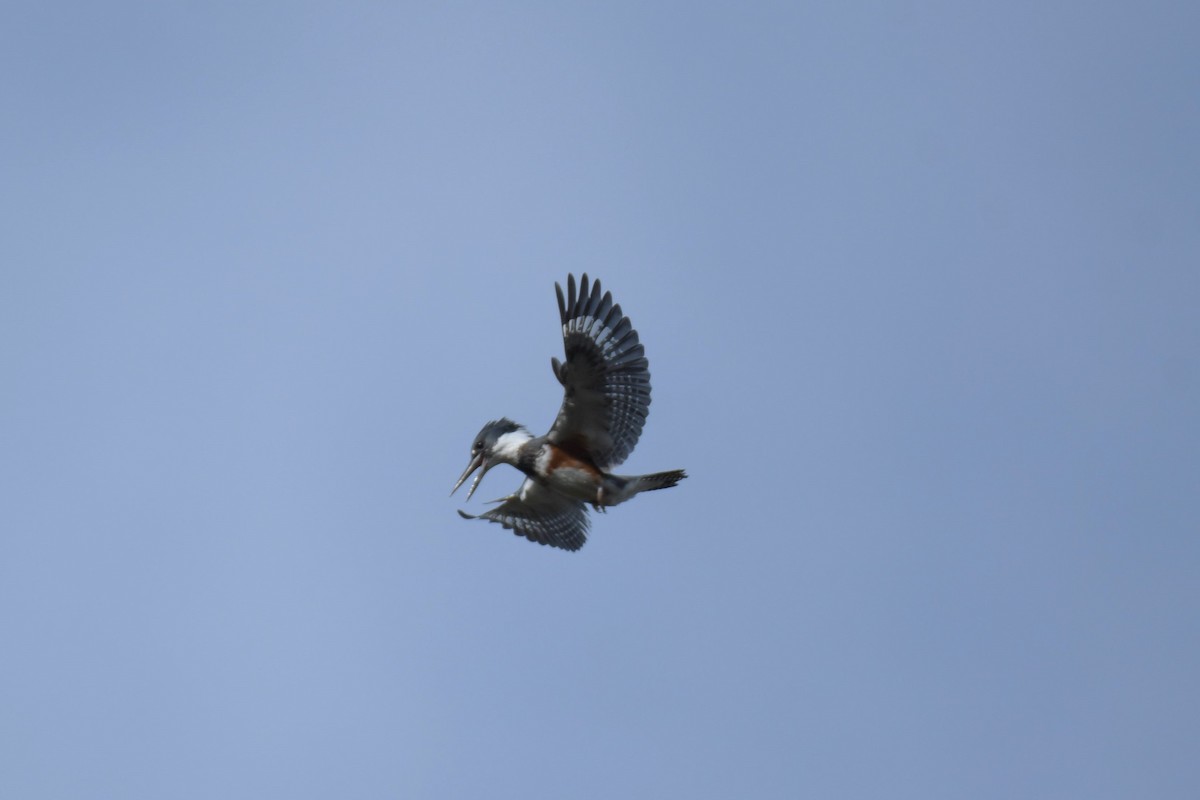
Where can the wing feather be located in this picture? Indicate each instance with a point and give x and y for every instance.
(605, 377)
(541, 515)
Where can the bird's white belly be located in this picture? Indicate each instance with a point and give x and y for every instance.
(574, 482)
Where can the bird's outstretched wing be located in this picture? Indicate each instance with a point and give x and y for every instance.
(605, 379)
(541, 515)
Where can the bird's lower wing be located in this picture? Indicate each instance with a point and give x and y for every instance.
(541, 515)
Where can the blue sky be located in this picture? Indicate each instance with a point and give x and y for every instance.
(918, 287)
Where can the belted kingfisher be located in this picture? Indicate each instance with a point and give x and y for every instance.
(606, 397)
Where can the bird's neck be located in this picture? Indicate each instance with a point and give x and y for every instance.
(508, 446)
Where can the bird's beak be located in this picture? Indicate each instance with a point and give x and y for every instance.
(476, 462)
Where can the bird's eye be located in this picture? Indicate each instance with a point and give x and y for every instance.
(479, 445)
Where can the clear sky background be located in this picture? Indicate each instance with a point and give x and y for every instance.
(919, 285)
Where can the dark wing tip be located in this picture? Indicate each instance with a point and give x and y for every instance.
(465, 515)
(583, 292)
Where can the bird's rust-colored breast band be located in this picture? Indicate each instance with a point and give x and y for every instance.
(560, 459)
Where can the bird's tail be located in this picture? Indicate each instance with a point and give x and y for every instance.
(619, 488)
(659, 480)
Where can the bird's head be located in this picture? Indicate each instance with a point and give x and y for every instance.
(496, 443)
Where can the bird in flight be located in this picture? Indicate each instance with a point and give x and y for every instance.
(606, 397)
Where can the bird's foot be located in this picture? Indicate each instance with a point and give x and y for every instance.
(598, 504)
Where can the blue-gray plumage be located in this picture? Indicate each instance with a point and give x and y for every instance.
(606, 398)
